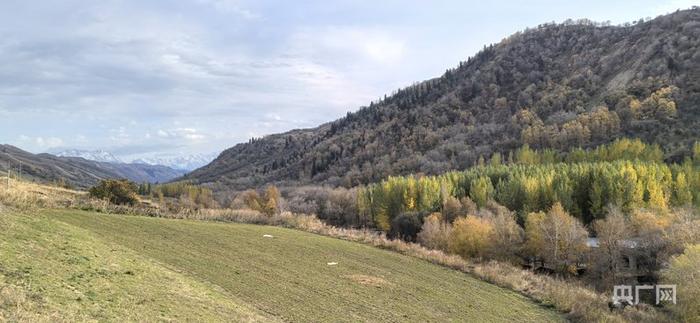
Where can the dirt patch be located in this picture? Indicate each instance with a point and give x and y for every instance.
(369, 280)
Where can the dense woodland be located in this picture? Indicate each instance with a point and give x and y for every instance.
(625, 173)
(559, 86)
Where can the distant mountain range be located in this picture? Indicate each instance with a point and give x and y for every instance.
(185, 163)
(79, 172)
(96, 155)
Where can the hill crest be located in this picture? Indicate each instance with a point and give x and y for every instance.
(555, 86)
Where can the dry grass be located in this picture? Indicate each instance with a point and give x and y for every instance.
(19, 305)
(366, 280)
(27, 195)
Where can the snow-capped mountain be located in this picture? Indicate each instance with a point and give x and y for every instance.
(179, 162)
(184, 163)
(95, 155)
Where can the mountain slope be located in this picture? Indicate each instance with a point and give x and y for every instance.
(53, 271)
(286, 277)
(557, 86)
(76, 171)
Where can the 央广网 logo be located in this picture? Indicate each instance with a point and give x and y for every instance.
(624, 293)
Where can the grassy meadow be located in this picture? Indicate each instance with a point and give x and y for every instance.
(73, 265)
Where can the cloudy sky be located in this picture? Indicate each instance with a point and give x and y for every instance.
(150, 77)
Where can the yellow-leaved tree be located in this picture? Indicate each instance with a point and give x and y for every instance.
(471, 237)
(684, 272)
(557, 238)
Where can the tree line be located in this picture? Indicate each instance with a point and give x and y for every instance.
(626, 173)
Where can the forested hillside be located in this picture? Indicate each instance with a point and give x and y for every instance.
(557, 85)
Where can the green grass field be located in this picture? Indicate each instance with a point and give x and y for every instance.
(85, 266)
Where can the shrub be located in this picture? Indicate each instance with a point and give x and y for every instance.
(186, 194)
(118, 192)
(405, 226)
(435, 232)
(683, 271)
(268, 203)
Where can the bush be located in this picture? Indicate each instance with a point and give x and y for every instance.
(182, 194)
(118, 192)
(406, 226)
(683, 271)
(435, 232)
(268, 203)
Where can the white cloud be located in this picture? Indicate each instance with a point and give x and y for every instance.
(384, 50)
(181, 133)
(673, 5)
(374, 44)
(44, 142)
(230, 6)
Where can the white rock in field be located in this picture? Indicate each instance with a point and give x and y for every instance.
(267, 236)
(332, 263)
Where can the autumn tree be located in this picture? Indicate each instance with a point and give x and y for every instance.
(681, 191)
(267, 204)
(506, 237)
(252, 200)
(556, 237)
(272, 200)
(683, 272)
(435, 232)
(481, 190)
(471, 237)
(451, 209)
(607, 259)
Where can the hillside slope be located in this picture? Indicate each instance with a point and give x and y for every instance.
(85, 266)
(55, 272)
(77, 172)
(557, 85)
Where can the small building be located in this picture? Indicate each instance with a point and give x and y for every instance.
(632, 268)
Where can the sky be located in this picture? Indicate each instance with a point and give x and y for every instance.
(142, 78)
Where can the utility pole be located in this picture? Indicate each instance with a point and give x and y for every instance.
(20, 171)
(8, 178)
